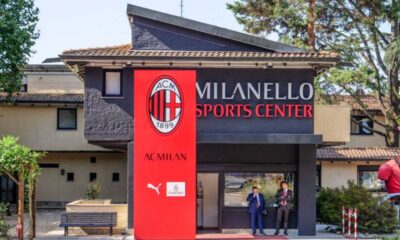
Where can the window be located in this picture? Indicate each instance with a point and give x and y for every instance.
(66, 118)
(112, 83)
(238, 185)
(361, 125)
(7, 190)
(24, 84)
(318, 178)
(115, 177)
(368, 178)
(92, 177)
(92, 159)
(49, 165)
(70, 177)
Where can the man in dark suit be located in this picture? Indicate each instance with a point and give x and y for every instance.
(256, 210)
(284, 198)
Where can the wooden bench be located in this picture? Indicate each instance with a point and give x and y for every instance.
(88, 219)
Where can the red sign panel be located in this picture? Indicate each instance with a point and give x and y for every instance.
(164, 154)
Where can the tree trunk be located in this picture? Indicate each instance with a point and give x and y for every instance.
(392, 130)
(310, 25)
(392, 136)
(20, 222)
(32, 209)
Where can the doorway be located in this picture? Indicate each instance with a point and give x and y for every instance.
(8, 191)
(207, 201)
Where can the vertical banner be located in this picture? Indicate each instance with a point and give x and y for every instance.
(164, 154)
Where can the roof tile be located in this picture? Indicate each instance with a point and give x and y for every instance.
(125, 50)
(369, 102)
(367, 153)
(65, 98)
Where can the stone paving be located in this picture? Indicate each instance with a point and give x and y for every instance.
(48, 220)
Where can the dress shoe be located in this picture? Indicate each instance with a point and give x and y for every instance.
(276, 233)
(285, 232)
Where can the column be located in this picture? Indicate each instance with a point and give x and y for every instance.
(130, 185)
(307, 208)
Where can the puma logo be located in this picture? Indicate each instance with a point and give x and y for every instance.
(151, 186)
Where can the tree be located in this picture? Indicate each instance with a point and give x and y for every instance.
(366, 33)
(18, 19)
(18, 160)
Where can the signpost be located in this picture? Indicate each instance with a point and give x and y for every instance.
(164, 154)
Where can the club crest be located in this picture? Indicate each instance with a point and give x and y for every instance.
(165, 105)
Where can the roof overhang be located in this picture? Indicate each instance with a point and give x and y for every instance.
(202, 59)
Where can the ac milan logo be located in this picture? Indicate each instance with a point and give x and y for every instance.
(165, 105)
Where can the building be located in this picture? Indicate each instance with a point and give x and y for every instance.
(359, 158)
(48, 116)
(84, 118)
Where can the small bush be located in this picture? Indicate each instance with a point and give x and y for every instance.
(372, 217)
(4, 227)
(93, 190)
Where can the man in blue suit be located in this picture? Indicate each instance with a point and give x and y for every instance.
(256, 210)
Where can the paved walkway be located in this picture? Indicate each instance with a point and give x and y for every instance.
(48, 220)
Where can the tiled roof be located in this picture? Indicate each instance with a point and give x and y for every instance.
(369, 102)
(61, 98)
(368, 153)
(101, 51)
(126, 50)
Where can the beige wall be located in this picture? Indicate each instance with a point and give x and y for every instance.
(374, 140)
(53, 187)
(337, 173)
(37, 128)
(53, 82)
(333, 122)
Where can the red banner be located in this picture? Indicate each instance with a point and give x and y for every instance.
(164, 154)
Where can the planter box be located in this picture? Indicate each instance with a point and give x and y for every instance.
(101, 206)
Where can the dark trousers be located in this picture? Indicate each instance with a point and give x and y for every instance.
(257, 220)
(283, 214)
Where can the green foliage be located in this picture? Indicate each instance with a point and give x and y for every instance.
(16, 158)
(4, 227)
(348, 80)
(93, 190)
(372, 217)
(18, 19)
(287, 18)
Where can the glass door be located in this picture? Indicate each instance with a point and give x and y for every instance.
(207, 201)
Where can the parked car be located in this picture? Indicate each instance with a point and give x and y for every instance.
(234, 186)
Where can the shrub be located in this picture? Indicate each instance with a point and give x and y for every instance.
(372, 216)
(4, 227)
(93, 190)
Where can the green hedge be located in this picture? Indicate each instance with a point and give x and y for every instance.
(372, 217)
(4, 227)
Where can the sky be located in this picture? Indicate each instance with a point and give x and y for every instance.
(72, 24)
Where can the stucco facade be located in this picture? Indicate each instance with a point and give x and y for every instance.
(54, 189)
(36, 127)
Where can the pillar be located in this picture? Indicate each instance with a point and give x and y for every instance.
(307, 208)
(130, 185)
